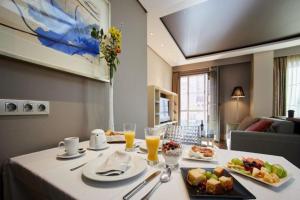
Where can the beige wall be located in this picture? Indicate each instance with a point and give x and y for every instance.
(130, 86)
(159, 72)
(262, 84)
(77, 104)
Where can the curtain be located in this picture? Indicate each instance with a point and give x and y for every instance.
(213, 103)
(279, 86)
(293, 84)
(175, 82)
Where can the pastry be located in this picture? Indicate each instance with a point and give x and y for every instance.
(213, 186)
(226, 183)
(196, 176)
(219, 171)
(111, 133)
(199, 152)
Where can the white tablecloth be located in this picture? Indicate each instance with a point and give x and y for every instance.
(52, 178)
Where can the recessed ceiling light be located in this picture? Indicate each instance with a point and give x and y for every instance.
(162, 45)
(151, 33)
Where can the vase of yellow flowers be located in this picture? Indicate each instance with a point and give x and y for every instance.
(110, 48)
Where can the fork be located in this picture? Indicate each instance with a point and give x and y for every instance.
(111, 170)
(74, 168)
(112, 173)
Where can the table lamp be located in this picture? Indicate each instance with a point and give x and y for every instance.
(237, 93)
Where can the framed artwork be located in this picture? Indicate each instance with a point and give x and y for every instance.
(55, 34)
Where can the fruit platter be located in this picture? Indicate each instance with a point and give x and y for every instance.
(263, 171)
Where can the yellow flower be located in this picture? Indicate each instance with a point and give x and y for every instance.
(116, 34)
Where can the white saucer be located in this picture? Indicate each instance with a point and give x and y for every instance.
(102, 148)
(66, 156)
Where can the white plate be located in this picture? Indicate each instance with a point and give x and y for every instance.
(66, 156)
(137, 166)
(282, 181)
(102, 148)
(143, 147)
(186, 155)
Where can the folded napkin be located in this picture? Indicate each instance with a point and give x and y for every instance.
(116, 161)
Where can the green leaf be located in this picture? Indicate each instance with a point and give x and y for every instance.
(111, 72)
(93, 34)
(118, 61)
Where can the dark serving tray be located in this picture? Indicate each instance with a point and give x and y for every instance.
(238, 191)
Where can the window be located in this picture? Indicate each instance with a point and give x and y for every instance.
(194, 100)
(293, 84)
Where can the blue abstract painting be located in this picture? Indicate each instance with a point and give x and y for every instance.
(61, 25)
(66, 32)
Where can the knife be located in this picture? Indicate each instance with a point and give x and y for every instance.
(141, 185)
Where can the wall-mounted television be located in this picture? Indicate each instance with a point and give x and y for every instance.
(164, 114)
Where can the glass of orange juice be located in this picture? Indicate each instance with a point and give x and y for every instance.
(129, 133)
(152, 136)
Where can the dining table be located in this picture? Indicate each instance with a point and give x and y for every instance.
(50, 178)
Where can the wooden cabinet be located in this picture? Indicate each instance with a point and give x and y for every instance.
(154, 108)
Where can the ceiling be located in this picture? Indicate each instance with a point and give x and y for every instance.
(190, 31)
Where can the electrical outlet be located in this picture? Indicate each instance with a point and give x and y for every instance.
(11, 107)
(28, 107)
(24, 107)
(42, 107)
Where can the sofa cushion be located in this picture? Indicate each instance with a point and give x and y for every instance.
(260, 126)
(281, 126)
(285, 127)
(247, 121)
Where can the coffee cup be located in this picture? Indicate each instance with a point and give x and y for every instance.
(71, 145)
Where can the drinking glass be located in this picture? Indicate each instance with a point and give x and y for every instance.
(172, 148)
(152, 136)
(129, 133)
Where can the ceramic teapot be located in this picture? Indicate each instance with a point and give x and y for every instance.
(97, 139)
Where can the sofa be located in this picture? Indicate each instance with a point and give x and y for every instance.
(280, 139)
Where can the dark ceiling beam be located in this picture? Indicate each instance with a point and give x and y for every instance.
(142, 6)
(266, 42)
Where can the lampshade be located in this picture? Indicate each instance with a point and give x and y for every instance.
(237, 92)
